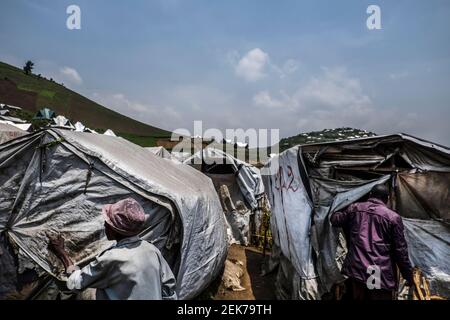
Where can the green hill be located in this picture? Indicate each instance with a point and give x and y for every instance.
(33, 92)
(325, 135)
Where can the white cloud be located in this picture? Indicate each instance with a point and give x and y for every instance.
(331, 99)
(256, 64)
(334, 89)
(70, 75)
(252, 66)
(289, 67)
(263, 98)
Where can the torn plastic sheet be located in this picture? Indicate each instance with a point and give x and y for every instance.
(420, 185)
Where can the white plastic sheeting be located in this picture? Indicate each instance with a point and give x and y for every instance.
(63, 122)
(23, 126)
(9, 132)
(79, 127)
(109, 132)
(162, 153)
(58, 180)
(12, 119)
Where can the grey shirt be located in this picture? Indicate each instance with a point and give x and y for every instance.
(133, 269)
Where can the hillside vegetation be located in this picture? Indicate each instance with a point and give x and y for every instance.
(325, 135)
(33, 92)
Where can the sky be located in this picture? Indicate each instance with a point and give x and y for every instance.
(296, 66)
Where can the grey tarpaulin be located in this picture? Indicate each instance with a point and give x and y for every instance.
(161, 152)
(312, 181)
(242, 177)
(429, 243)
(290, 224)
(58, 180)
(9, 132)
(248, 177)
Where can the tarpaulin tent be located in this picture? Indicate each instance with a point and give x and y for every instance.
(12, 119)
(160, 152)
(57, 181)
(45, 114)
(22, 126)
(109, 132)
(79, 127)
(312, 181)
(62, 122)
(243, 192)
(9, 132)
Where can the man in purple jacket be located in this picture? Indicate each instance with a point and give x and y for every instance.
(376, 246)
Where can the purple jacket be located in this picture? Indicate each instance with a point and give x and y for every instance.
(374, 237)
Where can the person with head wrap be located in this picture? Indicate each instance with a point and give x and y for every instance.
(133, 269)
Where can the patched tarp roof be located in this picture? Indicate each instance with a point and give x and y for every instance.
(181, 189)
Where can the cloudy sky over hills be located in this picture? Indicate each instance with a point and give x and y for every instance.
(293, 65)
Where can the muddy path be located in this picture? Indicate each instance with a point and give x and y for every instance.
(257, 287)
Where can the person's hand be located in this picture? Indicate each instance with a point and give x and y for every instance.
(56, 244)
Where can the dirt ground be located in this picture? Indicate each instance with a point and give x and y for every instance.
(257, 287)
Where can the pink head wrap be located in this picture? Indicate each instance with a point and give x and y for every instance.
(126, 216)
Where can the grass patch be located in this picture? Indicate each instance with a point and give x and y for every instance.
(47, 94)
(25, 87)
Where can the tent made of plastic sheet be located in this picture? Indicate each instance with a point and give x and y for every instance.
(109, 132)
(240, 188)
(9, 132)
(12, 119)
(45, 114)
(310, 182)
(21, 126)
(161, 152)
(62, 122)
(79, 127)
(58, 180)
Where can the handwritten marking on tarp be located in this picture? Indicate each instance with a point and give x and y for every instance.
(285, 179)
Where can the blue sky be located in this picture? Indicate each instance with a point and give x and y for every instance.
(293, 65)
